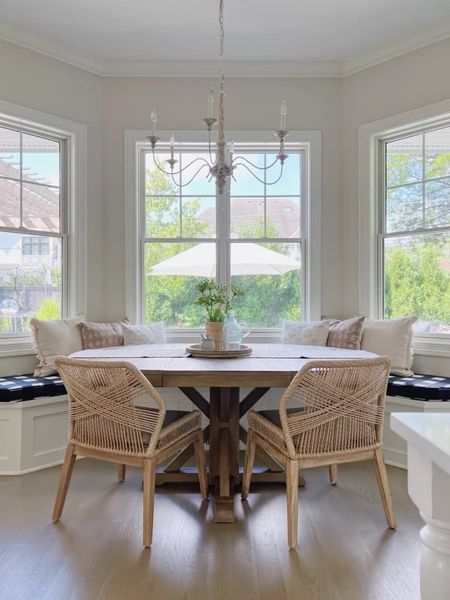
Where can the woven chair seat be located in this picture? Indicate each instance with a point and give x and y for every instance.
(274, 415)
(176, 424)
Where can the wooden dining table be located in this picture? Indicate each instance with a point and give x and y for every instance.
(269, 366)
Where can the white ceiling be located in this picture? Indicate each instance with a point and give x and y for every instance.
(286, 36)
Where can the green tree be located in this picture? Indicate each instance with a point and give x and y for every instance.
(49, 309)
(170, 298)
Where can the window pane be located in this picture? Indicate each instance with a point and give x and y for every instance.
(283, 217)
(200, 185)
(30, 280)
(404, 160)
(437, 153)
(171, 272)
(40, 207)
(417, 279)
(404, 208)
(162, 216)
(270, 275)
(246, 184)
(40, 160)
(199, 217)
(247, 217)
(9, 203)
(157, 182)
(437, 203)
(289, 183)
(9, 153)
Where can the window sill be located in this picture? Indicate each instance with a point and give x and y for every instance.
(432, 345)
(16, 346)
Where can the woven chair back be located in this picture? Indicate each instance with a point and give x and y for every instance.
(102, 406)
(343, 407)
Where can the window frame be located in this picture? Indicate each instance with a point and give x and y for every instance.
(308, 141)
(372, 137)
(72, 206)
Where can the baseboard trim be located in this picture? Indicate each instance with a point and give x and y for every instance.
(57, 463)
(395, 458)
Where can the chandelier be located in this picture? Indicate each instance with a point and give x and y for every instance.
(222, 166)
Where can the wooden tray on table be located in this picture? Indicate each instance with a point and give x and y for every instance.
(197, 351)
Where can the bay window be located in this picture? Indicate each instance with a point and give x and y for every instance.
(414, 235)
(32, 227)
(42, 222)
(255, 234)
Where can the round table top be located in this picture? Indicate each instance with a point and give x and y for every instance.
(270, 365)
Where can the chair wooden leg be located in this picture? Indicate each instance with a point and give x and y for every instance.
(199, 448)
(148, 500)
(333, 474)
(64, 481)
(383, 484)
(248, 465)
(121, 472)
(292, 501)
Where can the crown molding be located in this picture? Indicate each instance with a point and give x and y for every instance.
(272, 69)
(14, 35)
(351, 66)
(231, 69)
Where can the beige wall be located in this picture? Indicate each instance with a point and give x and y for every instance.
(109, 106)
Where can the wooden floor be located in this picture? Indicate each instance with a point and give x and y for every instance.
(95, 552)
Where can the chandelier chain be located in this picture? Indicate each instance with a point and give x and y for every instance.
(222, 34)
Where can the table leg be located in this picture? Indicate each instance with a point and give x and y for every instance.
(224, 450)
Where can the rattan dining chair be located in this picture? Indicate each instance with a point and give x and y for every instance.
(338, 418)
(106, 422)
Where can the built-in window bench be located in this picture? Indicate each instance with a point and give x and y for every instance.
(33, 417)
(419, 393)
(33, 423)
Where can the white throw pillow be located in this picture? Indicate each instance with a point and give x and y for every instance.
(310, 334)
(52, 339)
(393, 338)
(153, 333)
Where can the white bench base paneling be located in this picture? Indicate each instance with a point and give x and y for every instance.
(395, 447)
(33, 434)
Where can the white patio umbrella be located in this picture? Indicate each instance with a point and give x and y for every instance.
(246, 259)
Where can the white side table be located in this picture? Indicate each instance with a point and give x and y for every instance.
(428, 439)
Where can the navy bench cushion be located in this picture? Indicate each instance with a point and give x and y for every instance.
(27, 387)
(420, 387)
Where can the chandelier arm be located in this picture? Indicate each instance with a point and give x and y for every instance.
(258, 178)
(256, 166)
(195, 175)
(199, 158)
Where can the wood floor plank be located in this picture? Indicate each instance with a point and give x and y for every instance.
(345, 550)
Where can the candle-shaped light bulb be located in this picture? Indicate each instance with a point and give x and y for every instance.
(283, 113)
(211, 103)
(153, 119)
(172, 144)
